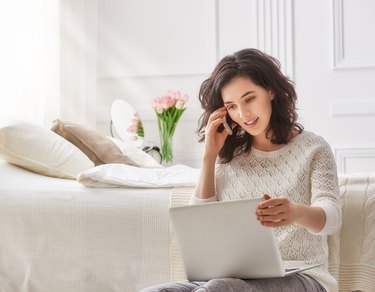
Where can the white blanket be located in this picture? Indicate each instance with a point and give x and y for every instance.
(58, 236)
(122, 175)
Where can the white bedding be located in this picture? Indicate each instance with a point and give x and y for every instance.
(122, 175)
(57, 235)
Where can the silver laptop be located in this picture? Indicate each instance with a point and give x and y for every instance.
(224, 239)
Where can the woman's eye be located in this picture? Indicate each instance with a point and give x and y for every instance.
(230, 107)
(250, 98)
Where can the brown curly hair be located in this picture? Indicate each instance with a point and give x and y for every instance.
(264, 71)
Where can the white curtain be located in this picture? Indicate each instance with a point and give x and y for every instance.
(29, 60)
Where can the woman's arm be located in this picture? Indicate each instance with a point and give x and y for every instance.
(323, 216)
(312, 218)
(325, 192)
(214, 141)
(206, 184)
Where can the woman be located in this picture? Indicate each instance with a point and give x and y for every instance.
(268, 155)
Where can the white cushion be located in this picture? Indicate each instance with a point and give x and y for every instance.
(40, 150)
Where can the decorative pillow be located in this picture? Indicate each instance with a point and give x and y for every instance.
(140, 157)
(40, 150)
(96, 146)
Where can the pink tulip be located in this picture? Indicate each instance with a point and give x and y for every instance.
(159, 110)
(158, 102)
(180, 104)
(166, 101)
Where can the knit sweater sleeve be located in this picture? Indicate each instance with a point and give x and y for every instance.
(324, 187)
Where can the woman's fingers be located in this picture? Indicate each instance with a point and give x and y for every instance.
(214, 140)
(273, 202)
(275, 212)
(216, 123)
(273, 218)
(266, 196)
(216, 119)
(276, 223)
(219, 113)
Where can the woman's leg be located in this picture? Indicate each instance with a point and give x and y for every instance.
(296, 282)
(173, 287)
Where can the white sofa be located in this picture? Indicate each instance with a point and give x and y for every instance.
(352, 249)
(56, 235)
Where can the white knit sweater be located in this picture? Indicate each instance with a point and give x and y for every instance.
(304, 171)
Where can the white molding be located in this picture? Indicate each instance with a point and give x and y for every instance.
(187, 68)
(352, 108)
(341, 61)
(273, 26)
(338, 36)
(342, 154)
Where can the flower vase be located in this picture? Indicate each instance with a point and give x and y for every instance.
(166, 132)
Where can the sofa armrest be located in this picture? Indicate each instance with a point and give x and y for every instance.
(352, 252)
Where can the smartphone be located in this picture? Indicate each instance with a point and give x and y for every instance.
(229, 130)
(226, 126)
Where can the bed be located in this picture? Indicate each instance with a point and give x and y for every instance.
(80, 211)
(58, 235)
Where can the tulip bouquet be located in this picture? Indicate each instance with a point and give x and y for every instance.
(168, 109)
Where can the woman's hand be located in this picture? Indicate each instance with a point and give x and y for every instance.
(276, 212)
(214, 140)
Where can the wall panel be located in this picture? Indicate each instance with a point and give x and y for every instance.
(354, 46)
(355, 159)
(263, 24)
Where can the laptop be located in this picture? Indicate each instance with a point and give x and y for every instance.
(224, 239)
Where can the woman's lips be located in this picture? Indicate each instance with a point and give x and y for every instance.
(251, 122)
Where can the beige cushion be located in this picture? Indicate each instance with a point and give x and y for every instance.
(96, 146)
(40, 150)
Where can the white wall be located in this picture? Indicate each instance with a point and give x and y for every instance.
(335, 74)
(144, 48)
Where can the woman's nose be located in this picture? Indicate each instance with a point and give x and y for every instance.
(242, 113)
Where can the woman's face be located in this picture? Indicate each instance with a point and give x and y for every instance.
(248, 104)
